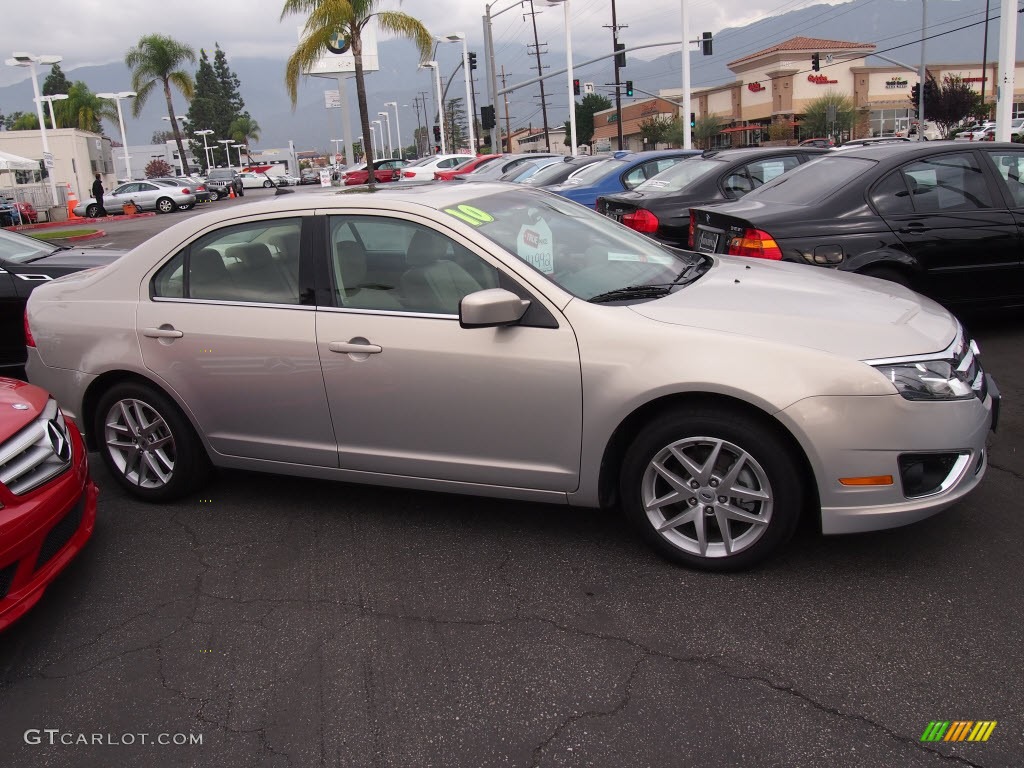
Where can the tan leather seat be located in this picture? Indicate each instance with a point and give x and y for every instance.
(432, 282)
(261, 279)
(209, 277)
(350, 269)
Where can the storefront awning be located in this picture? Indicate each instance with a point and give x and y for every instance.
(739, 128)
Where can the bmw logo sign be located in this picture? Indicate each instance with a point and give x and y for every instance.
(338, 44)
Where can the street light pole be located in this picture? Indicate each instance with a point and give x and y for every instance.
(387, 119)
(239, 147)
(454, 38)
(398, 128)
(120, 119)
(206, 148)
(922, 73)
(568, 57)
(687, 107)
(440, 104)
(22, 59)
(227, 152)
(49, 100)
(378, 135)
(492, 70)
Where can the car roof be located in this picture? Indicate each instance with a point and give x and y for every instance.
(739, 153)
(650, 154)
(910, 149)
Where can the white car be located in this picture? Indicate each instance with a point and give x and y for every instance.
(425, 171)
(252, 180)
(931, 131)
(975, 132)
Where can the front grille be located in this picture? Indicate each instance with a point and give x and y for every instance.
(37, 453)
(6, 577)
(61, 533)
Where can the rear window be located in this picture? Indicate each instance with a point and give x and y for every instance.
(813, 181)
(679, 175)
(590, 173)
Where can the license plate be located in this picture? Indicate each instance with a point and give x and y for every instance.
(615, 217)
(707, 242)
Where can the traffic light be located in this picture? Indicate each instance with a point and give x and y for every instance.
(620, 58)
(705, 43)
(816, 61)
(576, 87)
(487, 117)
(437, 133)
(629, 87)
(693, 120)
(472, 60)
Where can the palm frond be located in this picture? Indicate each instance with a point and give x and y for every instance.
(309, 50)
(183, 82)
(404, 25)
(143, 90)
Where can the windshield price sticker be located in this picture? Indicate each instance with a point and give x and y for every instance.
(534, 246)
(470, 215)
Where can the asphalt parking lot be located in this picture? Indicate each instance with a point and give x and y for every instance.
(290, 622)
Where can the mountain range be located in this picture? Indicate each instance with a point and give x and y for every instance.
(893, 25)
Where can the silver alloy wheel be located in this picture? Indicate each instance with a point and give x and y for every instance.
(707, 496)
(165, 205)
(140, 443)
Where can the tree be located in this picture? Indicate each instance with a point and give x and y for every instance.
(12, 119)
(704, 130)
(585, 109)
(815, 119)
(23, 121)
(84, 110)
(56, 82)
(245, 130)
(230, 95)
(158, 167)
(162, 137)
(654, 130)
(157, 60)
(329, 19)
(454, 124)
(205, 112)
(422, 140)
(949, 104)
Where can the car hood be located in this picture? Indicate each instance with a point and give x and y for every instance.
(844, 314)
(20, 404)
(80, 258)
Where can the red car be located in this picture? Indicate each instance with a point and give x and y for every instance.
(383, 170)
(467, 167)
(47, 499)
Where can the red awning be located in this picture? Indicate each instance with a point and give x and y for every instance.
(738, 128)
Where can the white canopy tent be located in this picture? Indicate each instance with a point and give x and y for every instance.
(11, 163)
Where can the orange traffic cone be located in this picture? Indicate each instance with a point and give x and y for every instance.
(231, 192)
(72, 202)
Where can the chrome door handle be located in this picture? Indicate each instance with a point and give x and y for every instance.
(347, 347)
(162, 333)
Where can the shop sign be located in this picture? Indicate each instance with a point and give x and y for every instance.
(755, 87)
(821, 80)
(896, 82)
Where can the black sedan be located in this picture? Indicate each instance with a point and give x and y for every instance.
(942, 218)
(556, 173)
(26, 262)
(660, 207)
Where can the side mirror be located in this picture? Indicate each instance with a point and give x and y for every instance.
(491, 308)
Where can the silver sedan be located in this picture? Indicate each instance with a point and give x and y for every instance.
(502, 341)
(146, 196)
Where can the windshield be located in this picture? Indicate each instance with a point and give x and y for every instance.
(813, 181)
(681, 174)
(19, 249)
(218, 173)
(576, 248)
(591, 173)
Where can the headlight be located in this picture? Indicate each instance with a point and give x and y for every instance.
(928, 380)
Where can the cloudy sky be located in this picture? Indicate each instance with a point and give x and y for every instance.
(100, 31)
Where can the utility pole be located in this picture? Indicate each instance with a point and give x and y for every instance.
(984, 69)
(472, 116)
(540, 71)
(508, 129)
(416, 101)
(618, 97)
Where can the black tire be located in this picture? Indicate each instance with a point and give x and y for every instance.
(892, 274)
(165, 205)
(216, 195)
(268, 184)
(178, 452)
(769, 468)
(91, 211)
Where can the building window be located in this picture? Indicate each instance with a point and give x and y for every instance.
(1018, 109)
(885, 122)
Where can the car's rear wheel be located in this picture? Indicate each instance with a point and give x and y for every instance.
(147, 443)
(216, 195)
(711, 489)
(268, 184)
(91, 211)
(165, 205)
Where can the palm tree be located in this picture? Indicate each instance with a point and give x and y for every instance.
(347, 18)
(244, 130)
(158, 59)
(83, 109)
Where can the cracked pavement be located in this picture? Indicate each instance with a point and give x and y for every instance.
(301, 623)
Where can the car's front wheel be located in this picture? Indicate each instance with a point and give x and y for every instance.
(268, 184)
(92, 211)
(711, 489)
(165, 205)
(147, 443)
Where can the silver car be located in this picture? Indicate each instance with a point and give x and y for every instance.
(146, 195)
(506, 342)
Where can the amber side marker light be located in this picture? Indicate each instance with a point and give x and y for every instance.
(875, 480)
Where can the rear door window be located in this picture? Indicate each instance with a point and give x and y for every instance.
(1010, 166)
(947, 182)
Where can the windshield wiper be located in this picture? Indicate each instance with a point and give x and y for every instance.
(650, 291)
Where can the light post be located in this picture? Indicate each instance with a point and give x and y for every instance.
(492, 70)
(379, 136)
(459, 36)
(117, 97)
(398, 128)
(22, 59)
(240, 147)
(227, 152)
(49, 100)
(387, 120)
(568, 58)
(206, 149)
(922, 74)
(373, 146)
(440, 106)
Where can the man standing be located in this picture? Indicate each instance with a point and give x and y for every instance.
(97, 193)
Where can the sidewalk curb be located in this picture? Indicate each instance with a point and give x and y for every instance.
(79, 238)
(76, 222)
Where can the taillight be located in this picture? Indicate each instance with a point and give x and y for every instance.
(755, 243)
(408, 174)
(29, 341)
(693, 228)
(641, 220)
(186, 191)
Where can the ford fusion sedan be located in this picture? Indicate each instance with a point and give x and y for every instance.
(498, 340)
(25, 264)
(47, 499)
(940, 217)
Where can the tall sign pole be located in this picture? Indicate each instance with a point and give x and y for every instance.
(1007, 67)
(685, 117)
